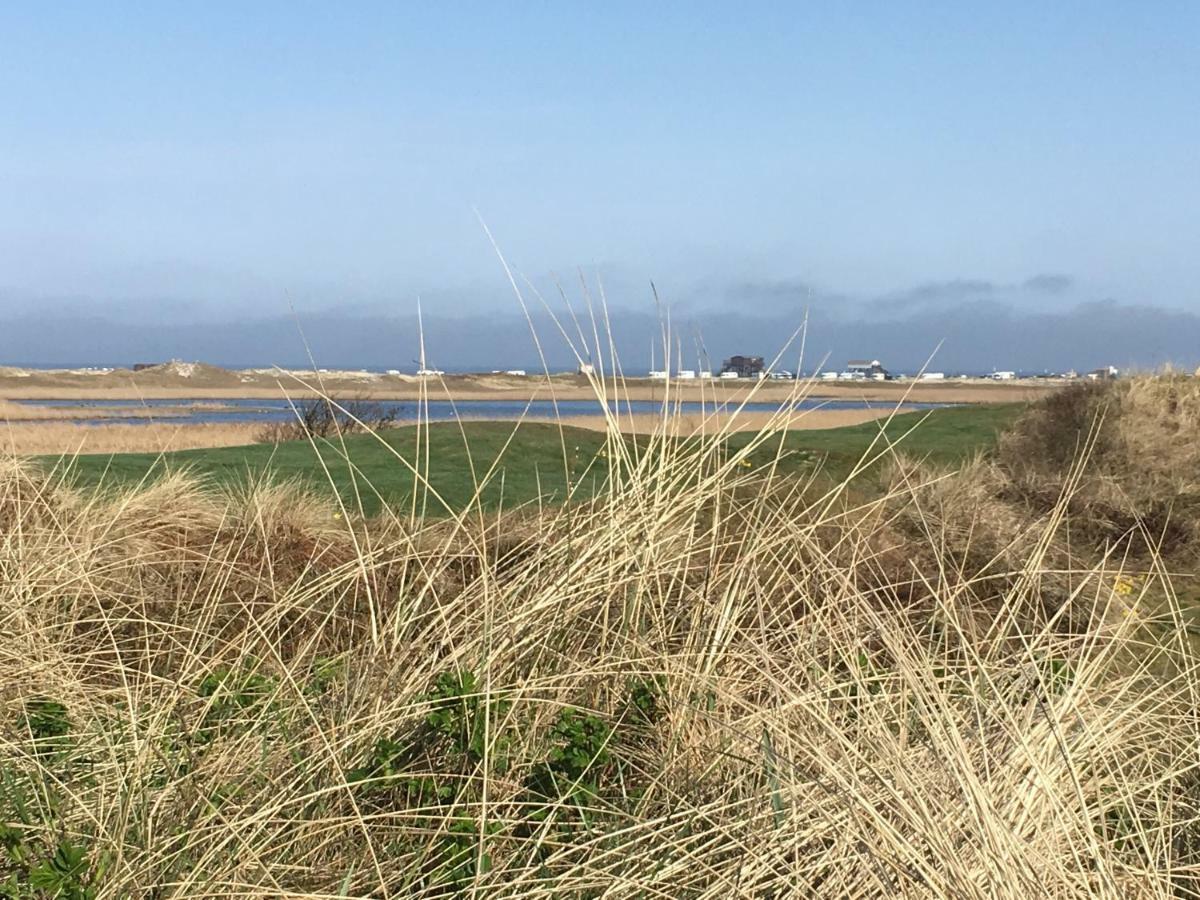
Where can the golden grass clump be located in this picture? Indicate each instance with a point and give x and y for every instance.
(707, 682)
(1139, 436)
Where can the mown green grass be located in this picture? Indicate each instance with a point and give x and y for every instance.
(533, 464)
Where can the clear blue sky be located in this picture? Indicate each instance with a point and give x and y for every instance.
(213, 155)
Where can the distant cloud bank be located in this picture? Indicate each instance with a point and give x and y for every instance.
(979, 325)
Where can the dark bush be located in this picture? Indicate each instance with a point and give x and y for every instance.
(1052, 433)
(326, 417)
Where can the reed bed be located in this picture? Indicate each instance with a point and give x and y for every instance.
(708, 681)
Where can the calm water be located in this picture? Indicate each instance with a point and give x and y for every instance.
(233, 411)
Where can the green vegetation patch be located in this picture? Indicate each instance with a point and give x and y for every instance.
(537, 460)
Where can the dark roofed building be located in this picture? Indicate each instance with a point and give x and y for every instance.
(867, 368)
(744, 366)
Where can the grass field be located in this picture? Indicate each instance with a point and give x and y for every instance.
(536, 460)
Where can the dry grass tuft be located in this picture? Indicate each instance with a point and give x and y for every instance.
(709, 682)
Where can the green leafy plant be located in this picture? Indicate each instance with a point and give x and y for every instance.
(646, 699)
(48, 723)
(465, 718)
(65, 874)
(578, 757)
(232, 694)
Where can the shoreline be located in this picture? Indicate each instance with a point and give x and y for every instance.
(221, 385)
(33, 438)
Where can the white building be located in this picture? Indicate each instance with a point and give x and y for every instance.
(1004, 376)
(517, 372)
(686, 375)
(933, 376)
(658, 374)
(729, 375)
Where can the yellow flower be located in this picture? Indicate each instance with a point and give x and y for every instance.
(337, 515)
(745, 464)
(1123, 586)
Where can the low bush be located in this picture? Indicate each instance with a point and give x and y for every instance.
(328, 417)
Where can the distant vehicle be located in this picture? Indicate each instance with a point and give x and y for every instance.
(517, 372)
(829, 376)
(393, 371)
(728, 375)
(933, 376)
(686, 375)
(1003, 376)
(782, 375)
(658, 374)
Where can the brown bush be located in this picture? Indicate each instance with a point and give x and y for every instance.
(1127, 453)
(327, 417)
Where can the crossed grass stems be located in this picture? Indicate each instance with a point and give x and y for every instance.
(705, 681)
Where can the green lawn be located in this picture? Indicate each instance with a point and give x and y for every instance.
(945, 436)
(532, 464)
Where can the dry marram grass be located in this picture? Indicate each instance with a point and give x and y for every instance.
(705, 683)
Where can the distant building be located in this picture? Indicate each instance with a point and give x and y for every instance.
(686, 375)
(1004, 376)
(933, 376)
(658, 374)
(867, 368)
(1103, 374)
(142, 367)
(517, 372)
(743, 367)
(586, 369)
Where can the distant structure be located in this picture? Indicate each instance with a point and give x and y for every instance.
(586, 369)
(1104, 374)
(867, 368)
(142, 367)
(1003, 376)
(743, 367)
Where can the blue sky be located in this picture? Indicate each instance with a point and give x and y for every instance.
(206, 159)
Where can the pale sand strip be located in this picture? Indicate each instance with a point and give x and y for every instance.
(694, 423)
(42, 386)
(31, 438)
